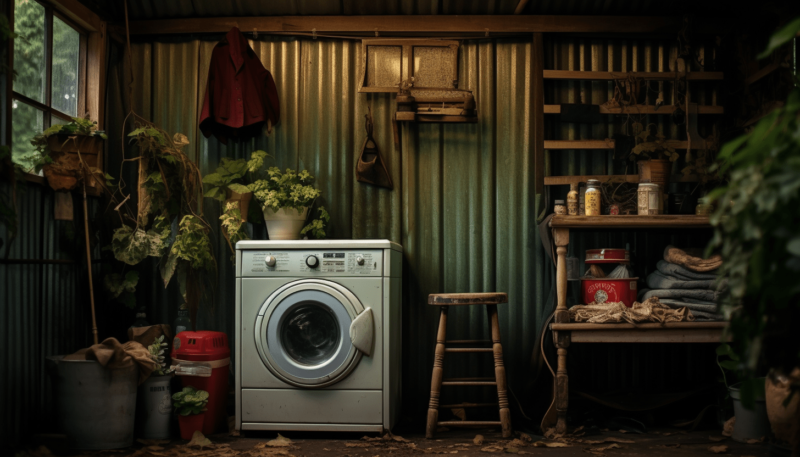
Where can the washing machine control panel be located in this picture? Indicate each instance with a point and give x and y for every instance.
(313, 263)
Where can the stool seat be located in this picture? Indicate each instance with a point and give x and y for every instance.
(482, 298)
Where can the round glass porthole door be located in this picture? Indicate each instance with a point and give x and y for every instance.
(303, 333)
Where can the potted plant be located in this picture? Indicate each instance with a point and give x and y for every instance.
(658, 155)
(228, 182)
(232, 225)
(67, 152)
(756, 233)
(285, 199)
(154, 399)
(190, 406)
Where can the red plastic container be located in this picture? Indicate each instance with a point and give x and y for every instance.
(203, 360)
(600, 256)
(609, 290)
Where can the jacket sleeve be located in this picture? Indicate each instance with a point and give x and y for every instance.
(271, 102)
(207, 112)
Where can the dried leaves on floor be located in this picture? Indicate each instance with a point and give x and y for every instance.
(722, 449)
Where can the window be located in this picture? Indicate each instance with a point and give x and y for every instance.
(49, 56)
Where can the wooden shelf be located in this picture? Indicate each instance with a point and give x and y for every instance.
(651, 75)
(673, 332)
(632, 221)
(601, 144)
(641, 109)
(762, 73)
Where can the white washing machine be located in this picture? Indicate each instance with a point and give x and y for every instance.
(318, 335)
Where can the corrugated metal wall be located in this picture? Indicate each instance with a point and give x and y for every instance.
(462, 206)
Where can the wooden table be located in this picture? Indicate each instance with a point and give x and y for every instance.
(565, 332)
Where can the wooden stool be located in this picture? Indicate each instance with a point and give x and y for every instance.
(491, 300)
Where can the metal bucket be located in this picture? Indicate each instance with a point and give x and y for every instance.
(154, 408)
(96, 406)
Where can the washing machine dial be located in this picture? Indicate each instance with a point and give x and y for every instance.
(270, 261)
(360, 260)
(312, 261)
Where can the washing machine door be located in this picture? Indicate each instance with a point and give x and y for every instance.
(312, 333)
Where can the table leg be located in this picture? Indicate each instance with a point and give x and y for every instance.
(436, 378)
(500, 372)
(561, 238)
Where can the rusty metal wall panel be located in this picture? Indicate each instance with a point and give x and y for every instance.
(45, 312)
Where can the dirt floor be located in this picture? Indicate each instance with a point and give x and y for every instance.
(655, 443)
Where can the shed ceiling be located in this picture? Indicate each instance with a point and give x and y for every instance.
(176, 9)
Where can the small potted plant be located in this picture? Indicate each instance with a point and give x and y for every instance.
(190, 406)
(285, 199)
(155, 401)
(232, 226)
(68, 152)
(658, 154)
(228, 182)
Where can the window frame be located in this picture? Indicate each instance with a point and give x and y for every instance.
(46, 107)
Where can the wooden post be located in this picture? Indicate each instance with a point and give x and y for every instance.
(89, 260)
(561, 238)
(436, 378)
(499, 372)
(537, 111)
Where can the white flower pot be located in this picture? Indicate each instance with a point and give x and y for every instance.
(286, 223)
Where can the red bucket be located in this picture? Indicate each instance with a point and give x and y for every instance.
(607, 256)
(609, 290)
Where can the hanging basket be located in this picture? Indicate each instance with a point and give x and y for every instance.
(65, 170)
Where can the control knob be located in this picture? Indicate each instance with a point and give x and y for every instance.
(360, 260)
(312, 261)
(270, 261)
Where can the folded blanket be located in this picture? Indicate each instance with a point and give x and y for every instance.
(658, 280)
(113, 355)
(706, 295)
(689, 259)
(700, 312)
(677, 271)
(697, 302)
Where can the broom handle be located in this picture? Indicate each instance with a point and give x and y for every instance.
(89, 260)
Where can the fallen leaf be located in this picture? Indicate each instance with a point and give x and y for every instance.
(325, 449)
(398, 438)
(550, 444)
(525, 437)
(717, 438)
(492, 449)
(675, 445)
(357, 444)
(612, 439)
(516, 442)
(623, 431)
(718, 449)
(478, 440)
(755, 440)
(727, 429)
(512, 450)
(155, 448)
(280, 441)
(198, 439)
(460, 413)
(605, 448)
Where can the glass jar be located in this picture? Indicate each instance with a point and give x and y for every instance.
(592, 197)
(572, 200)
(649, 198)
(560, 208)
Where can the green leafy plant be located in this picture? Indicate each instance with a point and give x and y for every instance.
(756, 233)
(122, 287)
(232, 226)
(189, 401)
(231, 174)
(651, 146)
(157, 350)
(78, 126)
(316, 229)
(287, 189)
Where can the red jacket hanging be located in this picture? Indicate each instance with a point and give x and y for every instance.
(240, 94)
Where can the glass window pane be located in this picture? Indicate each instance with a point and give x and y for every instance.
(433, 66)
(27, 123)
(383, 66)
(66, 60)
(55, 120)
(29, 63)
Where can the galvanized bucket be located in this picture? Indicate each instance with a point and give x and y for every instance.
(96, 406)
(154, 408)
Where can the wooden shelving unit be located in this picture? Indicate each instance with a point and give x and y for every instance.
(666, 221)
(641, 109)
(647, 75)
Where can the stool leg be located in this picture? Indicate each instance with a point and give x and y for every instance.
(436, 378)
(500, 372)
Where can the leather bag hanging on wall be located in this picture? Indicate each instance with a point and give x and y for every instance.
(371, 167)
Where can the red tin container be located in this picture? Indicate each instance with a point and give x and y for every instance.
(609, 290)
(607, 256)
(202, 359)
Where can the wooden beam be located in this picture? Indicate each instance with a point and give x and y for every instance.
(536, 103)
(78, 13)
(493, 24)
(651, 75)
(629, 221)
(641, 109)
(762, 73)
(602, 144)
(566, 180)
(96, 76)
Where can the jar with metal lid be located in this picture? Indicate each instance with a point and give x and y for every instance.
(560, 208)
(649, 197)
(572, 200)
(592, 197)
